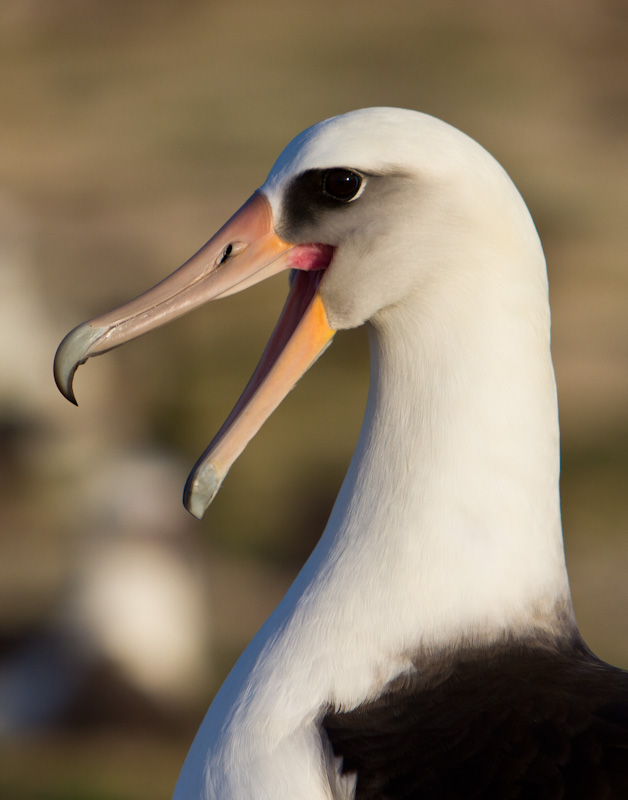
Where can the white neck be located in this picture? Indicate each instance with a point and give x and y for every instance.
(446, 529)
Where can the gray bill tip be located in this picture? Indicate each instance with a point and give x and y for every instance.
(73, 351)
(201, 488)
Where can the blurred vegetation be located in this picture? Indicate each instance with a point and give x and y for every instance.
(129, 132)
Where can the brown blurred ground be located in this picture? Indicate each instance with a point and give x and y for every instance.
(129, 131)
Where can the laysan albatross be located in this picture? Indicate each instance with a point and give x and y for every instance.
(428, 647)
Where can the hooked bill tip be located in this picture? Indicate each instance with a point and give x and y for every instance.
(64, 383)
(71, 353)
(201, 487)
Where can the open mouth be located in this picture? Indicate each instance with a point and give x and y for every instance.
(304, 281)
(311, 257)
(297, 333)
(245, 251)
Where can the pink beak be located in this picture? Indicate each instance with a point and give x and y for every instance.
(245, 250)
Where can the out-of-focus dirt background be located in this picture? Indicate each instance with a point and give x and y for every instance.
(129, 131)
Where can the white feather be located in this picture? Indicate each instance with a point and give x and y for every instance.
(447, 526)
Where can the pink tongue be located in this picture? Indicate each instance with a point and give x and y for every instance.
(310, 257)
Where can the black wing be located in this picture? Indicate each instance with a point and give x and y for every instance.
(518, 723)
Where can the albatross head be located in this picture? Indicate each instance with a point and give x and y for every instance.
(374, 211)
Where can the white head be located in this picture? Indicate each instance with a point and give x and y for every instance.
(428, 194)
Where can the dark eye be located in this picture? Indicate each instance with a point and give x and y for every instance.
(341, 184)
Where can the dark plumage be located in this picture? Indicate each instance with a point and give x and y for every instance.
(517, 721)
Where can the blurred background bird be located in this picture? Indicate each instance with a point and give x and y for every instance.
(128, 132)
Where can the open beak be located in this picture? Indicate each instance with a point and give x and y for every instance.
(245, 250)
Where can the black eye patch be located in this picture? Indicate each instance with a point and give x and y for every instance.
(315, 192)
